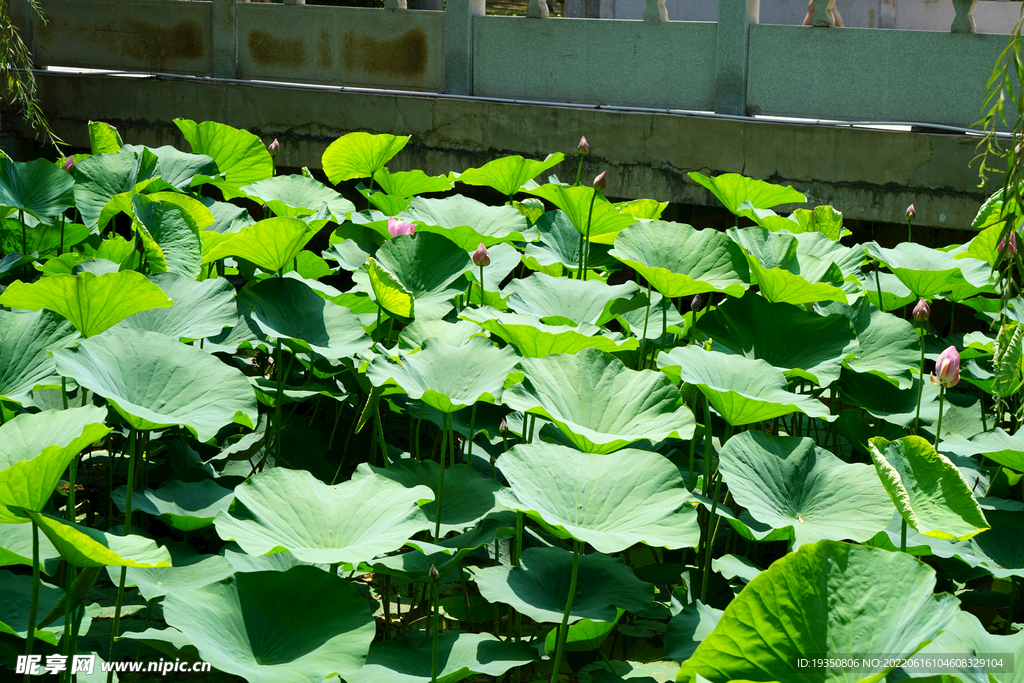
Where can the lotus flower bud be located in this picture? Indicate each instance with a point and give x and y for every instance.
(503, 427)
(397, 227)
(696, 303)
(911, 213)
(601, 180)
(433, 573)
(1009, 248)
(481, 257)
(921, 311)
(947, 368)
(584, 147)
(274, 148)
(69, 164)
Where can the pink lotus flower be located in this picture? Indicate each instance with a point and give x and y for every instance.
(1009, 249)
(584, 147)
(921, 311)
(397, 227)
(274, 148)
(947, 368)
(601, 180)
(911, 213)
(481, 257)
(69, 164)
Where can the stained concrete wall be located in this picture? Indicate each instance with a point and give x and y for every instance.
(867, 174)
(640, 64)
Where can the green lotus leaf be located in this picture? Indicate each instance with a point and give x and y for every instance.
(186, 506)
(661, 309)
(790, 482)
(289, 510)
(985, 245)
(349, 254)
(927, 489)
(533, 339)
(36, 187)
(16, 548)
(155, 382)
(170, 236)
(509, 174)
(92, 303)
(177, 168)
(611, 501)
(227, 217)
(894, 293)
(36, 448)
(599, 404)
(606, 222)
(25, 339)
(996, 445)
(928, 272)
(742, 390)
(360, 155)
(798, 342)
(297, 626)
(17, 604)
(583, 636)
(559, 301)
(733, 189)
(288, 309)
(967, 636)
(429, 266)
(407, 184)
(103, 138)
(826, 599)
(687, 629)
(884, 401)
(679, 260)
(188, 573)
(452, 334)
(271, 243)
(387, 204)
(296, 195)
(559, 247)
(43, 239)
(103, 177)
(468, 497)
(459, 656)
(887, 346)
(389, 293)
(782, 275)
(83, 547)
(649, 209)
(538, 589)
(239, 155)
(200, 309)
(467, 222)
(447, 377)
(1001, 548)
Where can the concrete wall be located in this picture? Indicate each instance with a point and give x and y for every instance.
(913, 75)
(636, 63)
(354, 46)
(867, 174)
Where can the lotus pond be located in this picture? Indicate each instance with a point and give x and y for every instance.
(394, 434)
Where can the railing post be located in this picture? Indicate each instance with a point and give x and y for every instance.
(537, 10)
(655, 11)
(734, 20)
(458, 44)
(963, 22)
(225, 39)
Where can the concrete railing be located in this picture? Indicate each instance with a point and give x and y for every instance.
(735, 65)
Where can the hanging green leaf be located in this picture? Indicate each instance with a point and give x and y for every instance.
(360, 155)
(733, 189)
(271, 243)
(389, 293)
(509, 174)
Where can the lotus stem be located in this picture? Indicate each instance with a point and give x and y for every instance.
(920, 389)
(376, 326)
(1009, 614)
(903, 536)
(664, 328)
(133, 443)
(481, 286)
(416, 438)
(434, 634)
(277, 403)
(387, 606)
(643, 337)
(706, 484)
(878, 285)
(693, 448)
(380, 438)
(33, 612)
(709, 540)
(24, 237)
(440, 480)
(563, 629)
(938, 427)
(60, 247)
(585, 240)
(472, 433)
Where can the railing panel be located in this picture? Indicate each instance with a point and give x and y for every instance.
(596, 61)
(140, 35)
(860, 74)
(341, 46)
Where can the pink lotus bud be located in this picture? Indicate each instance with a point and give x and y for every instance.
(696, 303)
(601, 180)
(274, 148)
(433, 573)
(1009, 248)
(69, 164)
(921, 311)
(481, 257)
(397, 227)
(911, 213)
(584, 147)
(503, 427)
(947, 368)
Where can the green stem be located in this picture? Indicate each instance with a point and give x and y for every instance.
(24, 238)
(579, 170)
(434, 634)
(706, 484)
(481, 285)
(380, 438)
(277, 403)
(440, 480)
(903, 536)
(416, 438)
(920, 388)
(878, 284)
(664, 328)
(938, 427)
(33, 611)
(709, 541)
(643, 337)
(586, 245)
(472, 433)
(376, 326)
(579, 268)
(563, 629)
(690, 473)
(132, 457)
(60, 248)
